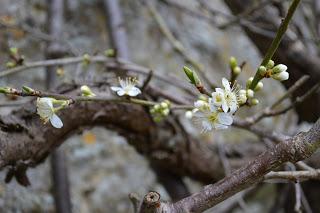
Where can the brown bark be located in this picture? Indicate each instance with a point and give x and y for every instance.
(25, 140)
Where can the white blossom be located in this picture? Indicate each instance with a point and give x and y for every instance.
(127, 87)
(46, 112)
(212, 118)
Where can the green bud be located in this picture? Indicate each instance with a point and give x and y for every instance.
(250, 93)
(11, 64)
(237, 70)
(164, 105)
(110, 53)
(259, 86)
(27, 90)
(86, 91)
(192, 75)
(249, 81)
(157, 107)
(86, 59)
(4, 90)
(233, 62)
(262, 70)
(270, 64)
(254, 101)
(166, 112)
(13, 51)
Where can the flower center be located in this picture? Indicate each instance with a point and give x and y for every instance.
(213, 117)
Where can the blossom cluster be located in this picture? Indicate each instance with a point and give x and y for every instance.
(216, 111)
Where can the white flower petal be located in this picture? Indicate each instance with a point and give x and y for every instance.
(116, 88)
(225, 119)
(226, 84)
(199, 104)
(121, 92)
(56, 121)
(233, 106)
(220, 90)
(225, 106)
(220, 126)
(134, 91)
(212, 105)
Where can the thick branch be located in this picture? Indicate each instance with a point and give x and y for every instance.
(297, 148)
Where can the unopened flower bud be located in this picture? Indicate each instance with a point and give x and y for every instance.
(262, 70)
(254, 101)
(250, 93)
(164, 105)
(110, 53)
(188, 114)
(10, 64)
(86, 91)
(242, 98)
(86, 59)
(270, 64)
(249, 81)
(259, 86)
(157, 107)
(165, 112)
(233, 62)
(237, 70)
(279, 68)
(282, 76)
(4, 90)
(192, 75)
(27, 90)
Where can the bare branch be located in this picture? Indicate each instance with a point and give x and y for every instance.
(294, 175)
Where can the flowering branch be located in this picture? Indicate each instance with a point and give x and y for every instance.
(75, 99)
(275, 43)
(111, 63)
(270, 111)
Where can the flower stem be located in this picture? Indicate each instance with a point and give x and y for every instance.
(276, 41)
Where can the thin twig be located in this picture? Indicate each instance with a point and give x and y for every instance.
(147, 81)
(297, 206)
(294, 175)
(276, 41)
(269, 111)
(109, 63)
(74, 99)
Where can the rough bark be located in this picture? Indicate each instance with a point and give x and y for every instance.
(24, 140)
(294, 149)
